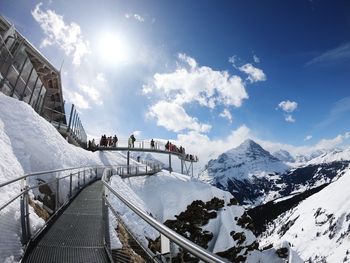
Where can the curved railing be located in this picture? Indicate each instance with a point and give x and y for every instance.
(55, 189)
(170, 235)
(143, 145)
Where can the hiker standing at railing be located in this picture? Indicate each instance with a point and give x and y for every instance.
(115, 141)
(131, 141)
(152, 144)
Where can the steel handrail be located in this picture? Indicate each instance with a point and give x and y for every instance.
(193, 248)
(48, 172)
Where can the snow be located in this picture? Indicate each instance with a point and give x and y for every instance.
(335, 155)
(244, 162)
(322, 224)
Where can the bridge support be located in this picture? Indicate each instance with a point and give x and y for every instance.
(182, 166)
(128, 161)
(170, 169)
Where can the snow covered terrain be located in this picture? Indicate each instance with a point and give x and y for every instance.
(30, 144)
(319, 227)
(172, 197)
(255, 177)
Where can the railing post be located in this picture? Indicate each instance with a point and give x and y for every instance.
(78, 179)
(70, 185)
(57, 193)
(24, 207)
(96, 172)
(84, 177)
(106, 219)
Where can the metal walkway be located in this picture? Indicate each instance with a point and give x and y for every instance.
(77, 235)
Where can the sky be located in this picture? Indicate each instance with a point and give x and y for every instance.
(205, 74)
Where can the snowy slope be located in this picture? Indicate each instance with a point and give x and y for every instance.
(333, 156)
(167, 196)
(319, 227)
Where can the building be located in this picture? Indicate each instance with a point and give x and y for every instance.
(25, 74)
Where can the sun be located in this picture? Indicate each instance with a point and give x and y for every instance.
(113, 48)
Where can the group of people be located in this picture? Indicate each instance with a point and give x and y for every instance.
(109, 141)
(112, 141)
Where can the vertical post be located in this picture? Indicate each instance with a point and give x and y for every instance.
(18, 77)
(128, 161)
(182, 166)
(84, 177)
(38, 99)
(26, 85)
(57, 193)
(192, 169)
(170, 169)
(23, 220)
(106, 219)
(70, 118)
(78, 179)
(70, 185)
(96, 172)
(34, 87)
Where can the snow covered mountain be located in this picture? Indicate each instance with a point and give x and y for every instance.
(245, 171)
(319, 227)
(254, 176)
(284, 156)
(29, 144)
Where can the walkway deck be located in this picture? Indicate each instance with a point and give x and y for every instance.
(77, 235)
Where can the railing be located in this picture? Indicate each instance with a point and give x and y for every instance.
(19, 224)
(172, 244)
(143, 144)
(74, 129)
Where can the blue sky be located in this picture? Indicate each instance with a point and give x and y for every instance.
(201, 72)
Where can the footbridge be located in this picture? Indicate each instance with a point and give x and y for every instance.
(72, 215)
(145, 145)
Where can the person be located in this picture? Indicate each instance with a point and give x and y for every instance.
(115, 141)
(129, 142)
(152, 144)
(167, 145)
(133, 139)
(138, 159)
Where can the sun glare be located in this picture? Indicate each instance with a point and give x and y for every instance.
(113, 48)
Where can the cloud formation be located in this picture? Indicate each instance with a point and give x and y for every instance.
(173, 117)
(193, 83)
(227, 115)
(288, 106)
(339, 53)
(254, 74)
(137, 17)
(308, 137)
(67, 36)
(289, 118)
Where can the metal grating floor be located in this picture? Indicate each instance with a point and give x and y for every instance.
(77, 235)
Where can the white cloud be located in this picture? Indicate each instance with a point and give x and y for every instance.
(308, 137)
(227, 115)
(289, 118)
(67, 36)
(256, 59)
(92, 93)
(193, 83)
(340, 53)
(77, 99)
(254, 74)
(173, 117)
(288, 106)
(137, 133)
(137, 17)
(206, 148)
(101, 77)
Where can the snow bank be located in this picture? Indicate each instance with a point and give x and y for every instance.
(319, 227)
